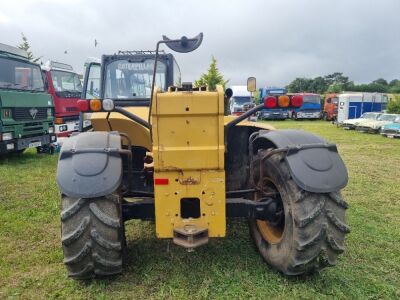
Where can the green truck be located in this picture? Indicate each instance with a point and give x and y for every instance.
(26, 110)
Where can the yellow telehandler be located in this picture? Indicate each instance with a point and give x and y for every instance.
(166, 151)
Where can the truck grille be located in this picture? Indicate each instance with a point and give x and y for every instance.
(71, 109)
(29, 113)
(390, 131)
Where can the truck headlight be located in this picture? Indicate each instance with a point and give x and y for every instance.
(51, 129)
(7, 136)
(7, 113)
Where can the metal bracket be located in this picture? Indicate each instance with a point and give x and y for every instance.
(190, 236)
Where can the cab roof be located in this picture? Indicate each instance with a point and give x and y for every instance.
(13, 50)
(54, 65)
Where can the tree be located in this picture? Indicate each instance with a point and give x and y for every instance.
(394, 105)
(339, 81)
(335, 88)
(380, 81)
(370, 88)
(318, 85)
(25, 46)
(394, 86)
(300, 85)
(394, 82)
(212, 77)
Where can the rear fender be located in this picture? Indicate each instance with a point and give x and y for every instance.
(314, 164)
(90, 165)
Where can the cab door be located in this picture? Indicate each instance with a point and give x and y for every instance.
(343, 109)
(92, 81)
(91, 90)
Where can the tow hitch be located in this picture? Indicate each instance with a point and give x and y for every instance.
(190, 237)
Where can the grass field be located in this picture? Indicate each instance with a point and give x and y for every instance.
(31, 257)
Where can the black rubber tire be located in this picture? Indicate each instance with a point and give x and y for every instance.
(93, 237)
(314, 224)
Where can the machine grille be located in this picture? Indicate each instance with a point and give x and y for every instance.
(29, 113)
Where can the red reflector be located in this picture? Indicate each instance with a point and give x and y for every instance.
(297, 101)
(270, 102)
(83, 105)
(161, 181)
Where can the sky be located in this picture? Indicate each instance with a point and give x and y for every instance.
(273, 40)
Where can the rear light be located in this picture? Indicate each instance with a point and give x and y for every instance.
(283, 101)
(297, 101)
(108, 104)
(161, 181)
(95, 105)
(83, 105)
(270, 102)
(59, 121)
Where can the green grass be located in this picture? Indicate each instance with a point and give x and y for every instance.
(31, 257)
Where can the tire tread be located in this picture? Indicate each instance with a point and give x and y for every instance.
(319, 226)
(92, 236)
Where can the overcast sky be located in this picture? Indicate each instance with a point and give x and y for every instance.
(275, 41)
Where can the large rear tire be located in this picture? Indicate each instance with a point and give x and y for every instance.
(93, 237)
(310, 228)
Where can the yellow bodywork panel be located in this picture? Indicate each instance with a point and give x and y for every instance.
(139, 135)
(206, 185)
(188, 152)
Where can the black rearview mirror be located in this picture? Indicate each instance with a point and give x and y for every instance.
(184, 45)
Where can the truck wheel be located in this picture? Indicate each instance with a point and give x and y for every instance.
(325, 116)
(308, 229)
(93, 237)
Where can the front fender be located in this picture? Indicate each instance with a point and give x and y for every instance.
(90, 165)
(314, 164)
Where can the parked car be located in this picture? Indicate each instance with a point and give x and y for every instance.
(375, 126)
(392, 130)
(352, 123)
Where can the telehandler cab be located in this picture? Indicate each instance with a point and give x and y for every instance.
(166, 152)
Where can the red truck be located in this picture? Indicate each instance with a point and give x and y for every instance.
(64, 85)
(330, 107)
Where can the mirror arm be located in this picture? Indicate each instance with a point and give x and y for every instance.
(243, 116)
(131, 116)
(155, 69)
